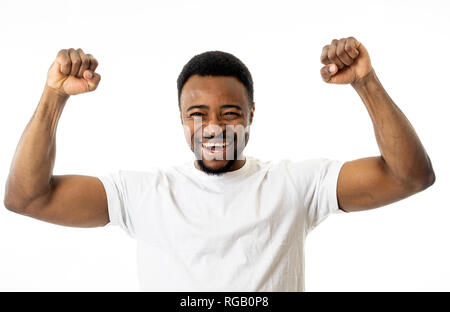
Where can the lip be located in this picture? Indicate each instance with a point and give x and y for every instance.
(218, 154)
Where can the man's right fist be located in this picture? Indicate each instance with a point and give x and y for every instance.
(73, 72)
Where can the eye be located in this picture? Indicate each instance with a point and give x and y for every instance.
(196, 114)
(232, 114)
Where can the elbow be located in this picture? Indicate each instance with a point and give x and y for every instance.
(425, 182)
(9, 204)
(12, 201)
(14, 205)
(427, 179)
(27, 205)
(430, 179)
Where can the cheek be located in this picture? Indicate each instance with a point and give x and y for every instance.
(188, 132)
(238, 122)
(192, 131)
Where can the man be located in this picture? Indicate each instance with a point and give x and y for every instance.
(224, 221)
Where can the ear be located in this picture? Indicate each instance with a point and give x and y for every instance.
(252, 111)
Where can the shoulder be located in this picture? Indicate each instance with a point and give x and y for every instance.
(133, 179)
(306, 166)
(306, 171)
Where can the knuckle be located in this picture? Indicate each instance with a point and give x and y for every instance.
(90, 58)
(340, 52)
(63, 60)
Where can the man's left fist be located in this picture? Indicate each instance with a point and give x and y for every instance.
(346, 61)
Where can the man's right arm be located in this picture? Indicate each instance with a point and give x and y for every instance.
(31, 188)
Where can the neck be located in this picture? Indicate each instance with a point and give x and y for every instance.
(235, 166)
(238, 164)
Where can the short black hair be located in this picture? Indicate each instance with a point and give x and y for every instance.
(216, 63)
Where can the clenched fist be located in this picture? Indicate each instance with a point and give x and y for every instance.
(73, 72)
(346, 61)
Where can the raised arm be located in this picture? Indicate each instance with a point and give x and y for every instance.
(403, 168)
(31, 188)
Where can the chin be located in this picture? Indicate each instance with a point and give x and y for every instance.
(215, 164)
(215, 167)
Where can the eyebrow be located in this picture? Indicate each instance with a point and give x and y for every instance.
(231, 106)
(207, 107)
(197, 106)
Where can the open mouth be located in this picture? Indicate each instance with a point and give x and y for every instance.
(215, 146)
(215, 149)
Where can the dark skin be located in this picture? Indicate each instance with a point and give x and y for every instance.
(220, 101)
(402, 169)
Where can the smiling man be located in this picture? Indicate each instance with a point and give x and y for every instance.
(218, 130)
(222, 221)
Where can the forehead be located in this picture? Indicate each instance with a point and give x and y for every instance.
(211, 90)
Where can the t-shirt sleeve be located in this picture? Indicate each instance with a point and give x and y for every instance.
(315, 181)
(123, 191)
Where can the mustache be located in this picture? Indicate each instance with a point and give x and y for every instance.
(233, 147)
(222, 137)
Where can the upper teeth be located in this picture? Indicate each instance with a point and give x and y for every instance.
(214, 144)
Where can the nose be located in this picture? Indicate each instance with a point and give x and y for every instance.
(214, 127)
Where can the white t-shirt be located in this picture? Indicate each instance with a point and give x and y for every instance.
(240, 231)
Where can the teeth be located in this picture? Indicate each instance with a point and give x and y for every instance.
(209, 144)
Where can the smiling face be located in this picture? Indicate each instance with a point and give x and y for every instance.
(216, 114)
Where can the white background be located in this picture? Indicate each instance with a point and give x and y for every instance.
(132, 122)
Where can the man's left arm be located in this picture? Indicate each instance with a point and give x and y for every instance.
(403, 168)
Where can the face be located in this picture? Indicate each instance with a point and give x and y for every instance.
(216, 116)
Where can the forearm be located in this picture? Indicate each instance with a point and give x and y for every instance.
(399, 144)
(32, 165)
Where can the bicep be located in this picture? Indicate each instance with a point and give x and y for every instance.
(367, 183)
(74, 200)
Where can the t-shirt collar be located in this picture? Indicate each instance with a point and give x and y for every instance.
(227, 176)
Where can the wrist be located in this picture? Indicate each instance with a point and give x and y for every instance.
(363, 82)
(54, 95)
(52, 100)
(50, 106)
